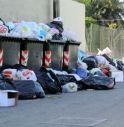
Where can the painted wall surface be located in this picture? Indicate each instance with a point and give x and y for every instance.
(28, 10)
(73, 15)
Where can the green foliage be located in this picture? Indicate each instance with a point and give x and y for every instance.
(86, 2)
(104, 11)
(89, 21)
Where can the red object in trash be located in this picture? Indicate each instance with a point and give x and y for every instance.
(105, 71)
(7, 74)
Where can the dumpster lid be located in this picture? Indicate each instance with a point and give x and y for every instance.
(34, 40)
(4, 37)
(64, 42)
(74, 42)
(57, 41)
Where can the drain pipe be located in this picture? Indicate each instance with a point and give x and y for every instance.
(56, 9)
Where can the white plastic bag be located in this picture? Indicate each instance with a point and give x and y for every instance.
(10, 73)
(70, 87)
(26, 74)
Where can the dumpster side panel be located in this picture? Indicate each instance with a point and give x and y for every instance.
(56, 56)
(73, 49)
(10, 52)
(35, 55)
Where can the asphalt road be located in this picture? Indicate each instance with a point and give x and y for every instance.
(88, 108)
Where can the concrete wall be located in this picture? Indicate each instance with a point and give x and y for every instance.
(28, 10)
(73, 15)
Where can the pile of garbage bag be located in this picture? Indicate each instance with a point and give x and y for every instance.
(36, 84)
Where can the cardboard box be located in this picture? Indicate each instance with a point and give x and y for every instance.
(118, 75)
(8, 98)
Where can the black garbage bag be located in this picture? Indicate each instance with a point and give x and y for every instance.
(91, 62)
(109, 60)
(28, 89)
(64, 79)
(57, 37)
(97, 82)
(59, 26)
(19, 67)
(120, 65)
(56, 24)
(48, 81)
(6, 84)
